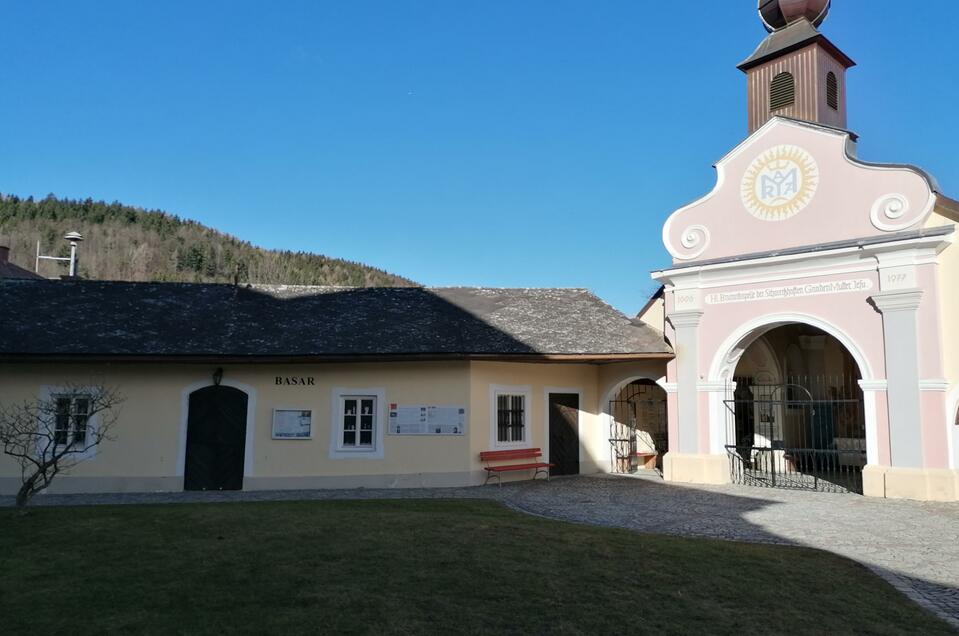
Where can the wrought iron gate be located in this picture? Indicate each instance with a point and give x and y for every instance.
(637, 425)
(805, 434)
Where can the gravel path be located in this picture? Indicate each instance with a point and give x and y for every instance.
(913, 545)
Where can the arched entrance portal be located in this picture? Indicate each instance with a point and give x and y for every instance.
(216, 439)
(795, 413)
(638, 434)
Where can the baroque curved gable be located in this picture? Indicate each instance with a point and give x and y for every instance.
(792, 184)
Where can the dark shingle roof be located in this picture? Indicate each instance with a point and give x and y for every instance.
(10, 271)
(95, 318)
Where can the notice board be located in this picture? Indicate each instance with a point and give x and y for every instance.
(427, 419)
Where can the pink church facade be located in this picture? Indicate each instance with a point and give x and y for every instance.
(810, 301)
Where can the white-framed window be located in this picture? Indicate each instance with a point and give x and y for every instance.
(71, 419)
(358, 423)
(510, 416)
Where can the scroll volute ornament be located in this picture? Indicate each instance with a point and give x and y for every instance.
(893, 213)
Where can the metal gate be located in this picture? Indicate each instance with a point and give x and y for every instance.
(637, 426)
(807, 434)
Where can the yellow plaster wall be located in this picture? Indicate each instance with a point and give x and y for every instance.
(612, 375)
(149, 419)
(655, 314)
(949, 302)
(539, 378)
(595, 382)
(149, 436)
(403, 383)
(948, 276)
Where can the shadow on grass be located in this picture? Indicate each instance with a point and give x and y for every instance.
(650, 505)
(415, 566)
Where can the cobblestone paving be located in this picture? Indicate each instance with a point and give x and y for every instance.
(913, 545)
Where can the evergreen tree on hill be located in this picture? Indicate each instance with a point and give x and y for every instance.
(129, 243)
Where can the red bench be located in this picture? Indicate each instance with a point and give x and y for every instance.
(513, 454)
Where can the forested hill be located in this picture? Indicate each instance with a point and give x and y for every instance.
(127, 243)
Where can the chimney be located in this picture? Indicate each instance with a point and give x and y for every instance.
(796, 71)
(4, 254)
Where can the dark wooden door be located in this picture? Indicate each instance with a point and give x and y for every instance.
(215, 439)
(564, 433)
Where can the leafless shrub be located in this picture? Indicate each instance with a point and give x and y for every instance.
(54, 433)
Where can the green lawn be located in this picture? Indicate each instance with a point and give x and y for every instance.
(413, 567)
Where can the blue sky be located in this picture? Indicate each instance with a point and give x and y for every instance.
(467, 142)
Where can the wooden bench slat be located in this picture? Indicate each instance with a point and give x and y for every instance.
(514, 453)
(519, 467)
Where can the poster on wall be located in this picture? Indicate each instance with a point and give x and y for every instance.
(425, 419)
(292, 424)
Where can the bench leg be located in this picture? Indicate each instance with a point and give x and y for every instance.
(540, 470)
(490, 474)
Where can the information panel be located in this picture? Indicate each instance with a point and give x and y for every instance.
(426, 419)
(292, 424)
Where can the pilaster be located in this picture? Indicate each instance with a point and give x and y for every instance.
(900, 336)
(686, 327)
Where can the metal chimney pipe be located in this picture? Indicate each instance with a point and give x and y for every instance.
(74, 238)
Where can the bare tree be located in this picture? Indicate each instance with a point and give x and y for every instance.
(51, 435)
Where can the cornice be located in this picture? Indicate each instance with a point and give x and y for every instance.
(892, 301)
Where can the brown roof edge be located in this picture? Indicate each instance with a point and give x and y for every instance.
(427, 357)
(947, 207)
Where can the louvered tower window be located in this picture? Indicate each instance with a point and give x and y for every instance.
(832, 91)
(782, 91)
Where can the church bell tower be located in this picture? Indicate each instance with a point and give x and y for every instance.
(796, 71)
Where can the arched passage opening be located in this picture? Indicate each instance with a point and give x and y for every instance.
(638, 428)
(795, 415)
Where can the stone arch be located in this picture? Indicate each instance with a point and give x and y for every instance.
(731, 350)
(611, 390)
(728, 354)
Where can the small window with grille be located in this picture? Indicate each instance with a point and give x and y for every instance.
(782, 91)
(510, 418)
(832, 91)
